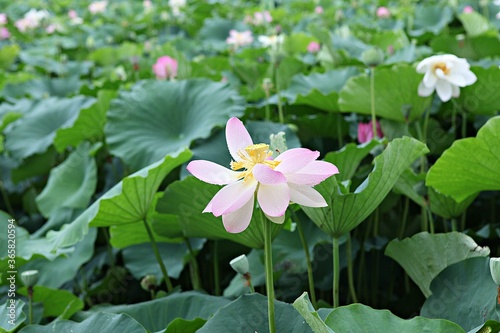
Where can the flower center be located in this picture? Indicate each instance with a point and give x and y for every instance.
(250, 156)
(442, 66)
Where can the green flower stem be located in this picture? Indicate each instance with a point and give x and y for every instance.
(372, 101)
(339, 130)
(30, 304)
(248, 279)
(350, 264)
(430, 219)
(453, 224)
(268, 109)
(464, 124)
(405, 218)
(269, 274)
(462, 220)
(109, 248)
(310, 277)
(158, 257)
(280, 105)
(215, 256)
(336, 272)
(193, 267)
(152, 292)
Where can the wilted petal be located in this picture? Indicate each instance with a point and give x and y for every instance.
(212, 173)
(239, 220)
(265, 175)
(306, 196)
(232, 197)
(424, 91)
(444, 91)
(295, 159)
(277, 220)
(237, 137)
(313, 173)
(273, 199)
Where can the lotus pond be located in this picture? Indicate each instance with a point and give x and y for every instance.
(249, 166)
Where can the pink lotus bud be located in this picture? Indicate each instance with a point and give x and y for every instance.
(365, 132)
(313, 47)
(318, 10)
(165, 68)
(72, 14)
(4, 33)
(3, 18)
(383, 12)
(468, 9)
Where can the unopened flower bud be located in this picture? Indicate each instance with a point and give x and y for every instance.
(29, 278)
(240, 264)
(495, 270)
(372, 57)
(148, 282)
(267, 84)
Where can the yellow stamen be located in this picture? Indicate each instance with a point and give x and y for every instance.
(442, 66)
(252, 155)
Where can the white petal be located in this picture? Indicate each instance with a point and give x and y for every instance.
(237, 137)
(455, 91)
(233, 197)
(273, 199)
(212, 173)
(424, 91)
(278, 219)
(444, 90)
(456, 80)
(430, 79)
(239, 220)
(313, 173)
(295, 159)
(306, 196)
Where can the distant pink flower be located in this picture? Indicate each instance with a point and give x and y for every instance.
(98, 7)
(165, 68)
(4, 33)
(148, 5)
(72, 14)
(259, 18)
(288, 178)
(365, 132)
(468, 9)
(318, 10)
(3, 19)
(51, 28)
(313, 47)
(238, 39)
(383, 12)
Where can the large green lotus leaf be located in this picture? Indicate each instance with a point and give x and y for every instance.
(469, 47)
(189, 197)
(357, 318)
(483, 97)
(67, 266)
(248, 313)
(215, 31)
(18, 316)
(8, 55)
(139, 260)
(304, 307)
(490, 326)
(99, 322)
(474, 23)
(124, 235)
(155, 315)
(160, 117)
(424, 255)
(36, 131)
(445, 206)
(346, 210)
(383, 39)
(127, 202)
(40, 88)
(35, 165)
(395, 91)
(319, 90)
(470, 165)
(431, 19)
(464, 293)
(56, 303)
(71, 184)
(89, 125)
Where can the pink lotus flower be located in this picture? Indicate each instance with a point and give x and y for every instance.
(383, 12)
(4, 33)
(275, 183)
(3, 18)
(313, 47)
(259, 18)
(318, 10)
(468, 9)
(365, 132)
(238, 39)
(165, 68)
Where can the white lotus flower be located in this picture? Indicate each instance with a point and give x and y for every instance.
(445, 74)
(272, 41)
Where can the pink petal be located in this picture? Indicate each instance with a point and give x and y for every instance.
(295, 159)
(237, 137)
(265, 175)
(212, 173)
(313, 173)
(273, 199)
(239, 220)
(233, 197)
(306, 196)
(277, 220)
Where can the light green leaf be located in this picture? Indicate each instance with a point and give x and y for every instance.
(9, 320)
(429, 18)
(424, 255)
(464, 293)
(8, 54)
(474, 23)
(43, 87)
(411, 185)
(71, 184)
(56, 302)
(396, 90)
(483, 97)
(161, 117)
(474, 48)
(180, 325)
(470, 165)
(346, 211)
(305, 308)
(357, 318)
(445, 206)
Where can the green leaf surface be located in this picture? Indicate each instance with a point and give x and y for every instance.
(430, 18)
(490, 326)
(305, 308)
(71, 184)
(474, 23)
(161, 117)
(127, 202)
(445, 206)
(357, 318)
(483, 97)
(56, 303)
(180, 325)
(424, 255)
(463, 293)
(99, 322)
(44, 87)
(411, 185)
(346, 210)
(470, 165)
(469, 47)
(396, 90)
(11, 315)
(8, 55)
